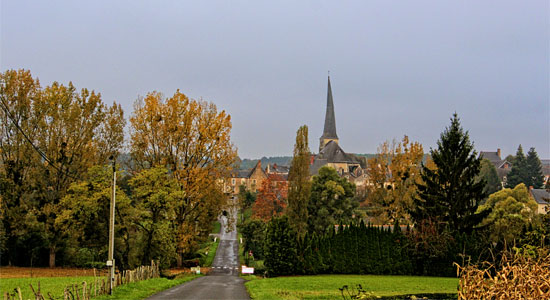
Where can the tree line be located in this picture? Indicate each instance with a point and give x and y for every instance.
(55, 174)
(444, 199)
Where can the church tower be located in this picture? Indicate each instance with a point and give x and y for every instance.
(329, 133)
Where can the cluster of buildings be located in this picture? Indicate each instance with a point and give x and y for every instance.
(330, 154)
(353, 167)
(503, 167)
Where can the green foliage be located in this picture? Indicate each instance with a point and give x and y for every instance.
(208, 252)
(488, 172)
(534, 170)
(156, 195)
(353, 249)
(526, 170)
(511, 211)
(253, 233)
(280, 247)
(331, 202)
(246, 197)
(299, 189)
(451, 193)
(84, 219)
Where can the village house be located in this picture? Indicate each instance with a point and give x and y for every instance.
(542, 197)
(502, 166)
(251, 179)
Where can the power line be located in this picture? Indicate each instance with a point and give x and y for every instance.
(5, 108)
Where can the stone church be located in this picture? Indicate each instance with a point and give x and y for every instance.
(331, 154)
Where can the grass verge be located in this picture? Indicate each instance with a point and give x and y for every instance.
(54, 285)
(210, 252)
(145, 288)
(217, 227)
(326, 286)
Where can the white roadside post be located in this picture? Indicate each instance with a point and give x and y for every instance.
(111, 260)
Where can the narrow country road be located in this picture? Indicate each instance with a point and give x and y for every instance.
(223, 282)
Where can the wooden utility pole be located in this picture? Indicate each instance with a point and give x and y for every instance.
(111, 260)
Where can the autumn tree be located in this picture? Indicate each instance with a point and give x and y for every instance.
(271, 200)
(54, 132)
(392, 177)
(331, 201)
(451, 193)
(299, 189)
(192, 140)
(18, 126)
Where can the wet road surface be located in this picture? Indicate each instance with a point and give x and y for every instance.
(223, 282)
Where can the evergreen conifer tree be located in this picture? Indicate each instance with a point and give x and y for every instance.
(534, 170)
(518, 174)
(299, 185)
(280, 247)
(450, 193)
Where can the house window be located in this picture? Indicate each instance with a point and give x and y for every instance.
(233, 181)
(253, 181)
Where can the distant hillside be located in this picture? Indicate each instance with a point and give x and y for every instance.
(285, 160)
(280, 160)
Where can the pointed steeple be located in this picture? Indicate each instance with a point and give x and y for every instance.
(329, 133)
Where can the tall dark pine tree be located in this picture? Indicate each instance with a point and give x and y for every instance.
(451, 193)
(518, 174)
(299, 189)
(534, 170)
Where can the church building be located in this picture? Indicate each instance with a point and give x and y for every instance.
(331, 154)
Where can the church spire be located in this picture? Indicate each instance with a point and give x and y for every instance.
(329, 133)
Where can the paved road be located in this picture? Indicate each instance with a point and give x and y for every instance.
(223, 282)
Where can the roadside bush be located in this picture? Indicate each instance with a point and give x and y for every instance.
(253, 232)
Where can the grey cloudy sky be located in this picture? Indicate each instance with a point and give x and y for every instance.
(397, 67)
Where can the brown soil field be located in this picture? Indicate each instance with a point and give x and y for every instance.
(19, 272)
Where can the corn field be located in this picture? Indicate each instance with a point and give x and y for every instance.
(518, 277)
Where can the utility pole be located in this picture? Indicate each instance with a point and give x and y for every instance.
(111, 260)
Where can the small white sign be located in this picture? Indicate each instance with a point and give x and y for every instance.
(196, 270)
(109, 263)
(247, 270)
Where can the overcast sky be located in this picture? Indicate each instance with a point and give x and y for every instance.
(397, 67)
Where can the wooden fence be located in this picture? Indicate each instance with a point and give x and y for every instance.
(100, 285)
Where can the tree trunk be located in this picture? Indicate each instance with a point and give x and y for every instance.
(179, 260)
(52, 257)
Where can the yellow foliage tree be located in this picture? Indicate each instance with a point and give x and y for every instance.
(192, 140)
(392, 175)
(49, 138)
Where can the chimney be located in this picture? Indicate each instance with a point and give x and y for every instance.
(498, 153)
